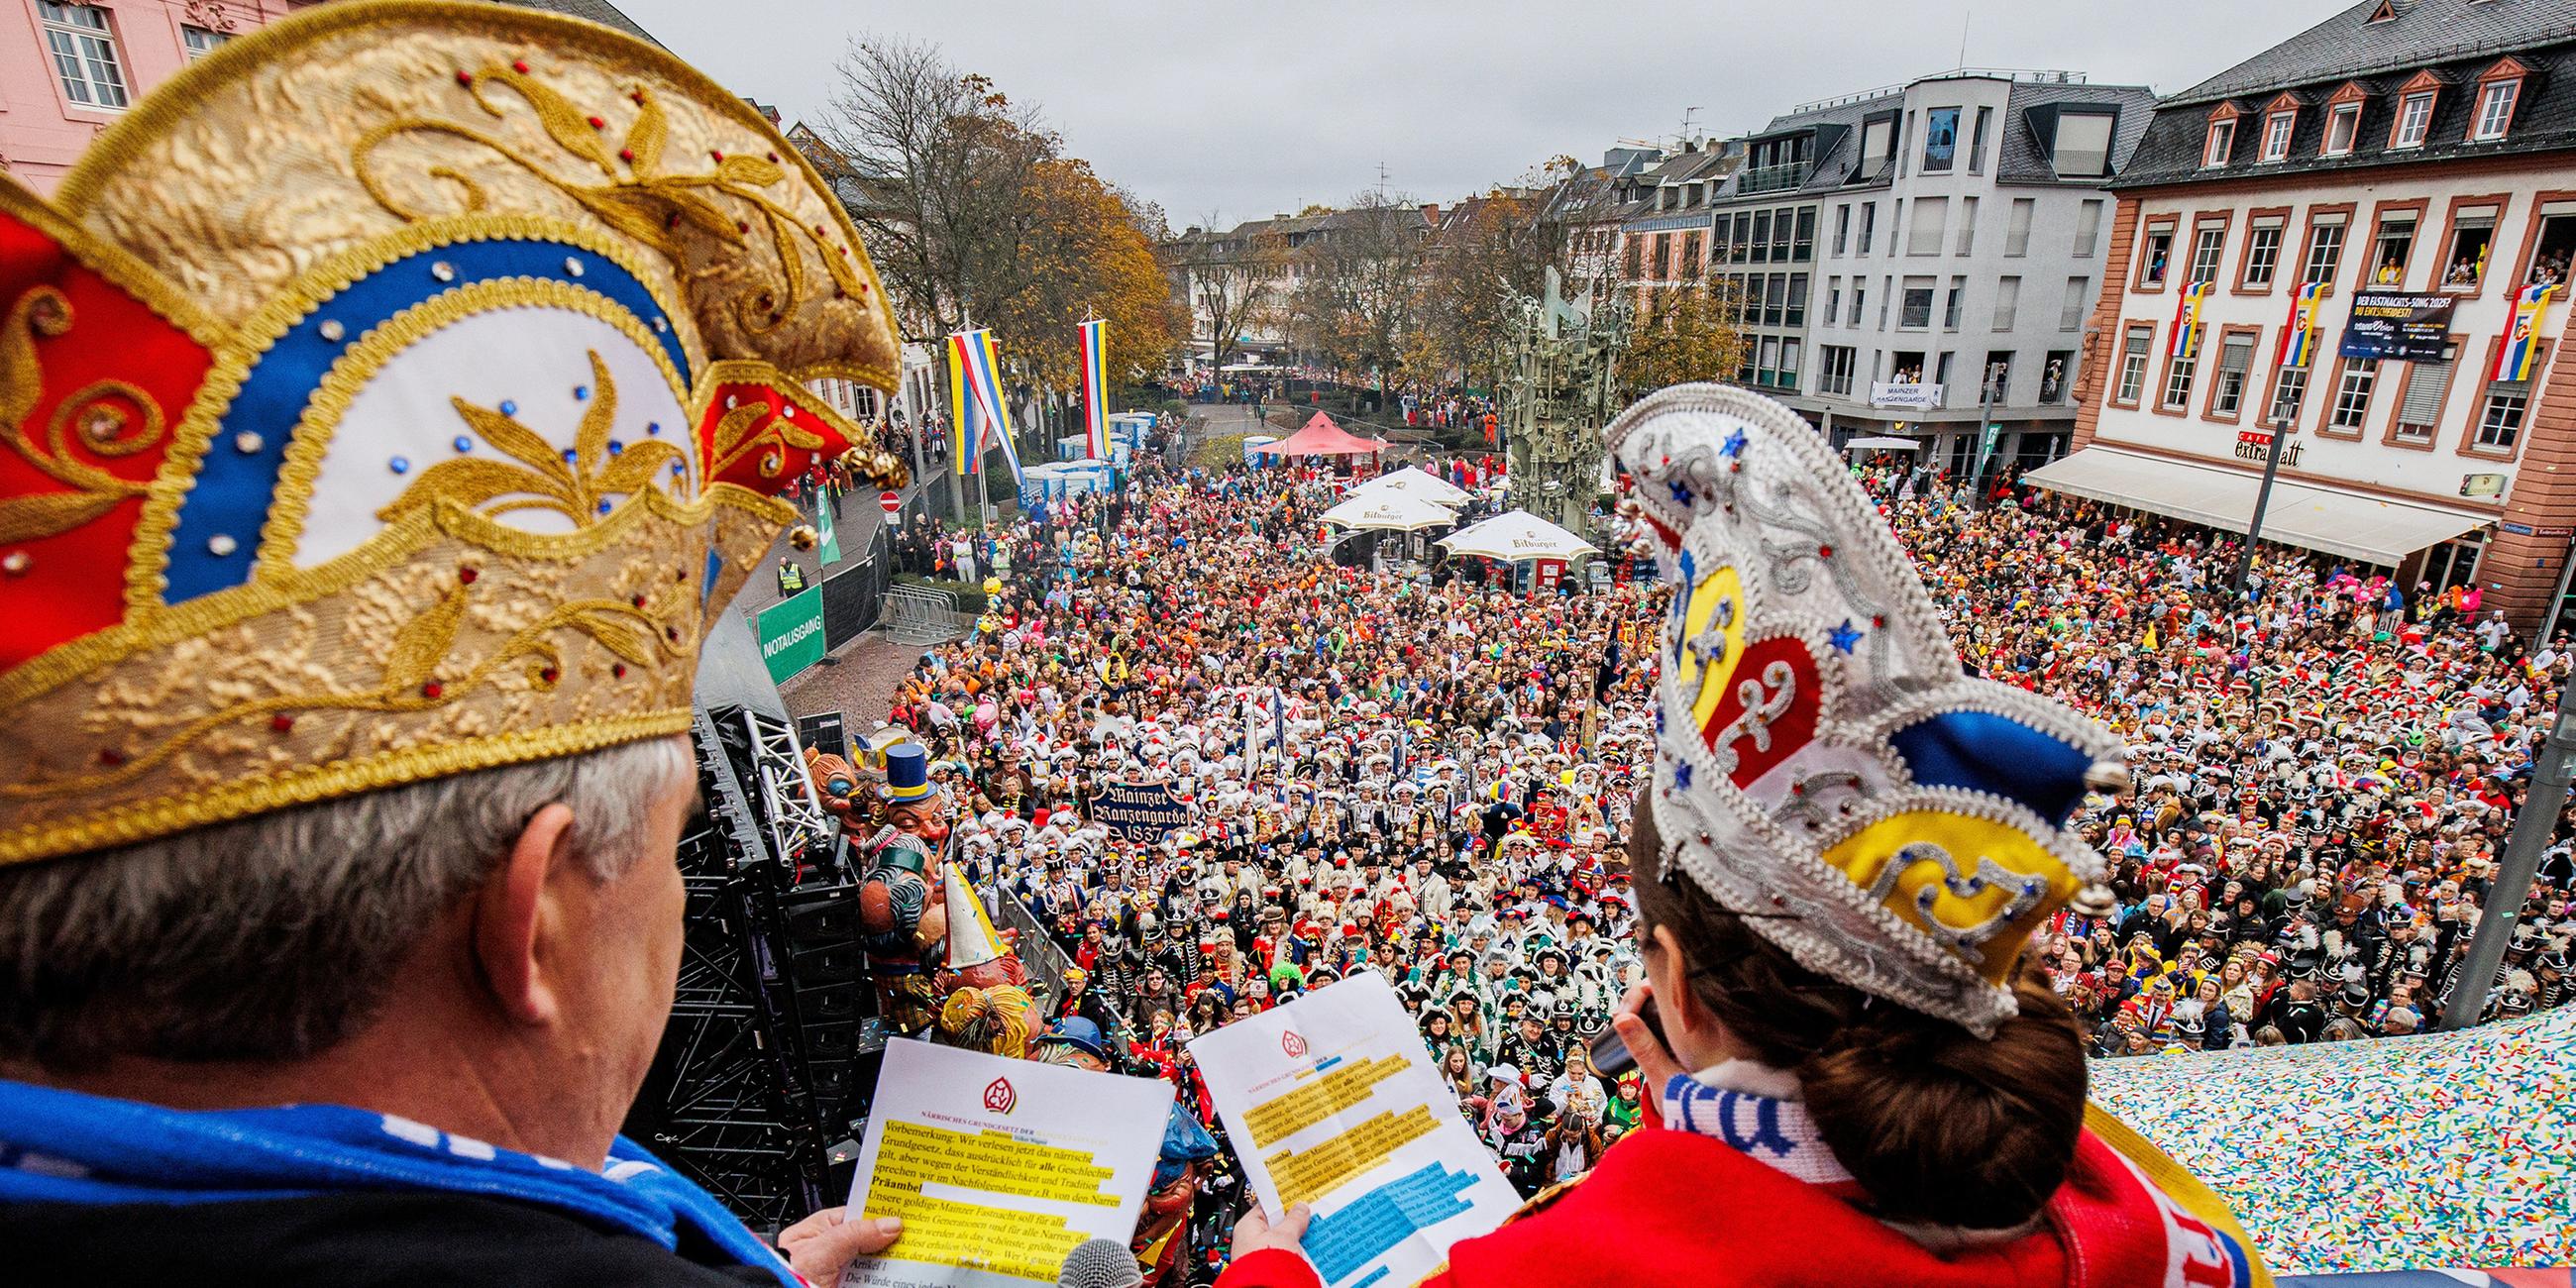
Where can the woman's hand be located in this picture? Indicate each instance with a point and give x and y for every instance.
(823, 1245)
(1654, 1062)
(1255, 1231)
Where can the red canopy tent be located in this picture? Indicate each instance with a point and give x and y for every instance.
(1321, 437)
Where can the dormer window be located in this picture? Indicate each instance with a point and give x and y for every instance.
(2222, 140)
(2276, 134)
(2497, 97)
(2343, 126)
(2414, 120)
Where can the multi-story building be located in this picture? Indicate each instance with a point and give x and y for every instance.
(1960, 223)
(1762, 250)
(2414, 161)
(68, 70)
(1663, 234)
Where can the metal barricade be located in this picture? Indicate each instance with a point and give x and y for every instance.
(919, 615)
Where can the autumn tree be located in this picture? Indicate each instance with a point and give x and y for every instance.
(1358, 280)
(1681, 334)
(1488, 251)
(1088, 256)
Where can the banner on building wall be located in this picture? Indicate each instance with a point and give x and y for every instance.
(2299, 335)
(1905, 397)
(2187, 324)
(2520, 351)
(2398, 326)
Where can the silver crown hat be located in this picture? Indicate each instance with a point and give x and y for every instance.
(1824, 765)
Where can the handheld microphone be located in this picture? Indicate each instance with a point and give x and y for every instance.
(1100, 1263)
(1610, 1055)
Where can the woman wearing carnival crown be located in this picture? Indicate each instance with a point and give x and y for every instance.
(1856, 1077)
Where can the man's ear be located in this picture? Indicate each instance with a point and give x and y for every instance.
(510, 913)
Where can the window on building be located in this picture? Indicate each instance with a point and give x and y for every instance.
(1797, 314)
(1835, 375)
(1766, 359)
(2495, 109)
(2007, 302)
(1931, 226)
(1842, 228)
(2208, 248)
(1868, 224)
(2221, 141)
(2557, 242)
(1941, 373)
(2083, 145)
(2263, 251)
(201, 41)
(1906, 367)
(2235, 360)
(2391, 249)
(2155, 254)
(1940, 139)
(1636, 259)
(2500, 419)
(1775, 299)
(1692, 245)
(2088, 227)
(1877, 144)
(2419, 413)
(2017, 231)
(2079, 299)
(2133, 364)
(1998, 375)
(2472, 236)
(1803, 250)
(2414, 118)
(1789, 355)
(1917, 314)
(84, 51)
(2352, 394)
(1886, 297)
(2325, 250)
(1781, 220)
(2343, 125)
(1833, 300)
(2056, 380)
(2289, 389)
(1967, 225)
(1740, 237)
(1951, 303)
(2177, 391)
(2276, 134)
(1860, 290)
(1977, 141)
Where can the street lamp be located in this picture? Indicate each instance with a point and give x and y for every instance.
(2262, 497)
(2542, 803)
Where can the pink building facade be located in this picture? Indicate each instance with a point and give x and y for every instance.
(67, 70)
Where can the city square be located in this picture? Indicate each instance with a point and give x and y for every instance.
(1957, 682)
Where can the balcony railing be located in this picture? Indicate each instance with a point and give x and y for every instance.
(1773, 178)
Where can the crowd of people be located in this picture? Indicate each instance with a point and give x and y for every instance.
(1432, 778)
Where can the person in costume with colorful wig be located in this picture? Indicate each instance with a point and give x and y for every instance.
(389, 405)
(1854, 1075)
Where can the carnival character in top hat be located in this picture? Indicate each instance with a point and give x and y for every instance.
(1845, 847)
(388, 405)
(903, 911)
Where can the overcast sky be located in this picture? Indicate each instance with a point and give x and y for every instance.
(1247, 109)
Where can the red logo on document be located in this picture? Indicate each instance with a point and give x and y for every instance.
(999, 1097)
(1294, 1045)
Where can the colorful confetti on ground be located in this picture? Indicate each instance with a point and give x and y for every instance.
(2452, 1150)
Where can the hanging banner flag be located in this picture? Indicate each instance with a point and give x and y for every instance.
(2187, 326)
(2299, 336)
(987, 361)
(828, 552)
(2520, 351)
(964, 406)
(1095, 389)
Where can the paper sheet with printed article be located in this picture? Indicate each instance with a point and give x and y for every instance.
(998, 1167)
(1332, 1100)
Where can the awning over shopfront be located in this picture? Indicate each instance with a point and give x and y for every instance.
(2359, 527)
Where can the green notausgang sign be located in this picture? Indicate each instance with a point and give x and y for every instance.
(791, 634)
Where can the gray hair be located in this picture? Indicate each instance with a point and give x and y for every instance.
(274, 937)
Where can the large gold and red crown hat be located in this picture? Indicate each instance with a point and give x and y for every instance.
(1825, 766)
(398, 391)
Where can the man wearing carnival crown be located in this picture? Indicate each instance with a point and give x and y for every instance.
(388, 406)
